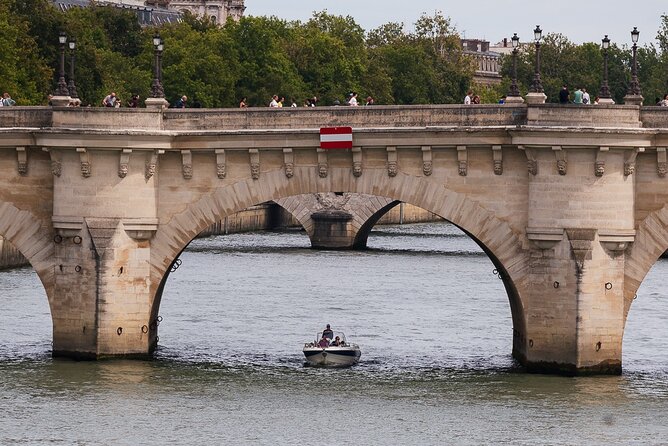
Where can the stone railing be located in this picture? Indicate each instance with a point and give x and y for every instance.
(264, 118)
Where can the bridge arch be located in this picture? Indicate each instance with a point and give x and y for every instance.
(493, 234)
(651, 241)
(25, 232)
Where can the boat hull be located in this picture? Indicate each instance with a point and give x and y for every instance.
(332, 356)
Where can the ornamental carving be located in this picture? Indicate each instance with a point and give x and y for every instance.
(123, 170)
(150, 169)
(357, 169)
(220, 170)
(255, 170)
(392, 168)
(322, 170)
(629, 168)
(662, 169)
(56, 168)
(187, 171)
(23, 168)
(333, 201)
(289, 170)
(85, 169)
(599, 168)
(532, 167)
(561, 167)
(498, 167)
(463, 168)
(427, 168)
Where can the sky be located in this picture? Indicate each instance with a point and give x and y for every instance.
(579, 20)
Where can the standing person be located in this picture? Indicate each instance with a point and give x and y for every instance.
(7, 100)
(476, 99)
(664, 102)
(134, 101)
(243, 103)
(577, 96)
(328, 333)
(585, 97)
(314, 100)
(468, 97)
(293, 104)
(564, 95)
(109, 100)
(369, 100)
(274, 101)
(353, 99)
(181, 103)
(280, 103)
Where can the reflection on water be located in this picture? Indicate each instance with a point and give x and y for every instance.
(431, 318)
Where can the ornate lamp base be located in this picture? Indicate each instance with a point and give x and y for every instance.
(536, 98)
(514, 100)
(156, 103)
(60, 101)
(633, 99)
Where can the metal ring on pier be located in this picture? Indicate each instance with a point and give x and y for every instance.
(598, 345)
(77, 268)
(530, 342)
(608, 286)
(58, 238)
(119, 330)
(555, 284)
(144, 329)
(77, 240)
(159, 319)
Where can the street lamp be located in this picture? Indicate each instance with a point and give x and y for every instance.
(514, 91)
(537, 86)
(634, 86)
(62, 85)
(536, 93)
(156, 88)
(71, 87)
(604, 95)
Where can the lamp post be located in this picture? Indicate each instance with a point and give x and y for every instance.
(633, 95)
(62, 85)
(536, 93)
(157, 99)
(604, 96)
(71, 87)
(514, 92)
(156, 88)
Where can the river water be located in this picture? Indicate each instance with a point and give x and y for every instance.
(432, 320)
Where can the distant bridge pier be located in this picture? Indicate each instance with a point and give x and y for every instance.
(337, 220)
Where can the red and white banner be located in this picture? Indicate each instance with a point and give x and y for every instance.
(336, 138)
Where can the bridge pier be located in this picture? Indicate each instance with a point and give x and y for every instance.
(575, 306)
(337, 220)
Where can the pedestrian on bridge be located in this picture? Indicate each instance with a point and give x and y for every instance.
(564, 95)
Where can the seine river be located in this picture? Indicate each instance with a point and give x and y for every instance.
(432, 320)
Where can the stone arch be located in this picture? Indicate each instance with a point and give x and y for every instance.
(494, 235)
(25, 232)
(651, 241)
(365, 210)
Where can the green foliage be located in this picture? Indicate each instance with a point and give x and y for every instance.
(327, 56)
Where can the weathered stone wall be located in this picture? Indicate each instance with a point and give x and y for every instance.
(10, 257)
(570, 207)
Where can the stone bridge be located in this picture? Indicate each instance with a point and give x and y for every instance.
(569, 202)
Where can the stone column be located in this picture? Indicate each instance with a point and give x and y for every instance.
(104, 217)
(579, 227)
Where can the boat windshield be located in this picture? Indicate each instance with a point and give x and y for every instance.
(339, 334)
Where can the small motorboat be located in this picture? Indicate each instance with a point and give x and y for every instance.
(336, 352)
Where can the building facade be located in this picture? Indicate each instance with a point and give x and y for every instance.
(219, 11)
(157, 12)
(488, 61)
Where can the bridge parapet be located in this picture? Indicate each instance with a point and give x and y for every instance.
(421, 116)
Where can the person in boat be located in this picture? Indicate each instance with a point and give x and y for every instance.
(323, 343)
(328, 333)
(336, 342)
